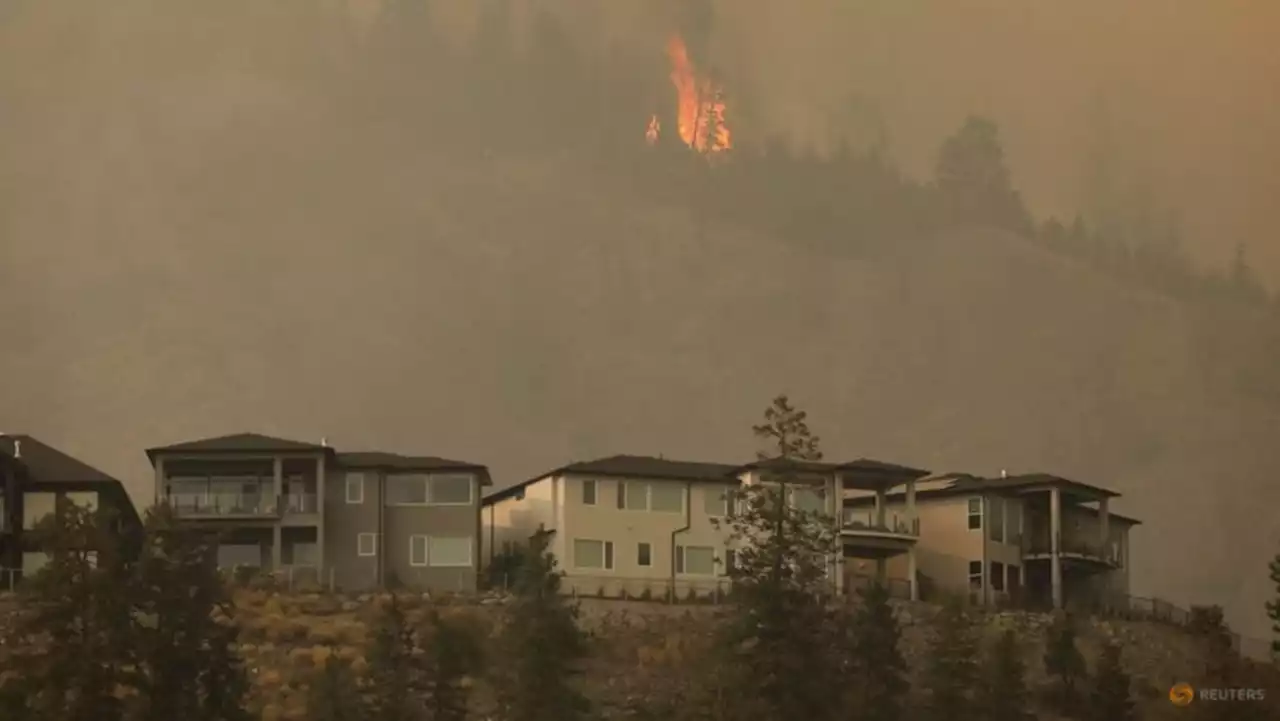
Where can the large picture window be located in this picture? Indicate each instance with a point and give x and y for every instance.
(422, 489)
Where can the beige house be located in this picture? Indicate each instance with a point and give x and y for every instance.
(1037, 538)
(356, 520)
(635, 524)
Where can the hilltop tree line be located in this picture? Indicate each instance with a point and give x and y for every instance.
(144, 629)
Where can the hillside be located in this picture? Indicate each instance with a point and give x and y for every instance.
(636, 646)
(508, 312)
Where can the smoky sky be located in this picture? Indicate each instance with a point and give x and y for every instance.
(201, 234)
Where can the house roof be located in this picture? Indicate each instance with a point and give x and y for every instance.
(627, 466)
(46, 464)
(395, 461)
(238, 443)
(964, 484)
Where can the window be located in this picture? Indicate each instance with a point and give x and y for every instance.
(355, 488)
(440, 551)
(975, 574)
(1013, 522)
(975, 514)
(450, 490)
(997, 575)
(231, 555)
(407, 489)
(35, 506)
(88, 500)
(593, 554)
(715, 501)
(809, 500)
(588, 493)
(666, 497)
(417, 550)
(730, 562)
(644, 555)
(418, 489)
(449, 552)
(696, 560)
(633, 496)
(996, 525)
(33, 561)
(367, 544)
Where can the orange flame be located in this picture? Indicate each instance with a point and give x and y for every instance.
(700, 106)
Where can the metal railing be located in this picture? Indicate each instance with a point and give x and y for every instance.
(899, 523)
(301, 503)
(1040, 545)
(225, 504)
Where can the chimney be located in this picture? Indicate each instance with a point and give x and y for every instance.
(17, 448)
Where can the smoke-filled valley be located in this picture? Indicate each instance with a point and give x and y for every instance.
(376, 228)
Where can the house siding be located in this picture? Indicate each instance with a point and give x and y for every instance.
(344, 522)
(557, 503)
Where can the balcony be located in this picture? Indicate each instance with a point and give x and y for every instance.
(299, 504)
(1071, 547)
(225, 505)
(860, 522)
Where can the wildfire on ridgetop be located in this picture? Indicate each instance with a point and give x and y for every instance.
(699, 105)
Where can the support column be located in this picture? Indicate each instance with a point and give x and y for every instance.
(1055, 545)
(1104, 526)
(912, 518)
(320, 486)
(880, 503)
(911, 573)
(882, 572)
(276, 541)
(161, 491)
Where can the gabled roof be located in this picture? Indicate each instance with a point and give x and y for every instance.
(1028, 480)
(46, 464)
(395, 461)
(627, 466)
(866, 465)
(238, 443)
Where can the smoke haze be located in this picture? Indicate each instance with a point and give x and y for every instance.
(216, 218)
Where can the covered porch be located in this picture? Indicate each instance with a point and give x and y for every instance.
(1068, 548)
(870, 536)
(240, 489)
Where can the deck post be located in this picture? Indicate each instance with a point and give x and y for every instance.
(1055, 545)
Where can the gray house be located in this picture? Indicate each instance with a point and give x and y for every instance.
(363, 520)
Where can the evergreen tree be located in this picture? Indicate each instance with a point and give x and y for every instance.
(952, 670)
(541, 645)
(70, 649)
(778, 642)
(1002, 691)
(334, 694)
(394, 680)
(1063, 660)
(973, 180)
(877, 665)
(1110, 699)
(452, 653)
(183, 629)
(1273, 607)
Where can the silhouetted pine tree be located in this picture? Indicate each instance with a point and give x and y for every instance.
(779, 641)
(393, 691)
(1110, 699)
(1273, 607)
(1063, 660)
(183, 629)
(452, 654)
(951, 673)
(540, 645)
(879, 672)
(1002, 691)
(334, 694)
(70, 649)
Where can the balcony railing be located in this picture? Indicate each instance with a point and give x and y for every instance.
(225, 504)
(301, 503)
(1040, 545)
(901, 524)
